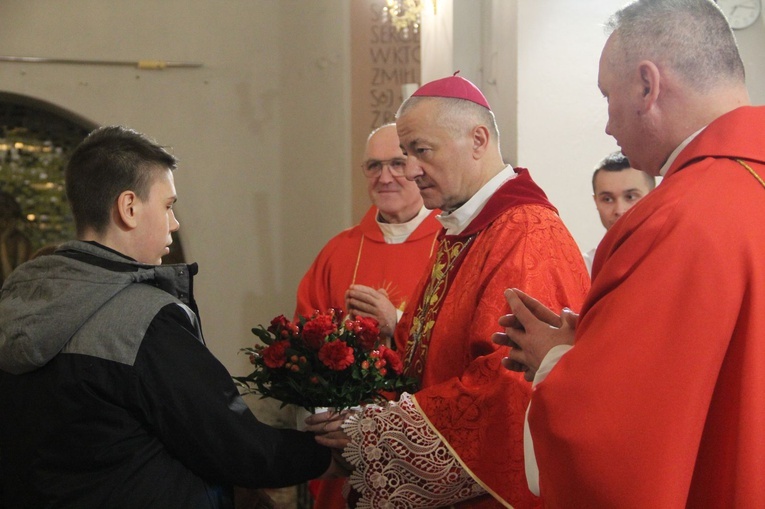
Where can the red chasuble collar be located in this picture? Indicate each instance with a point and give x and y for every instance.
(731, 136)
(521, 190)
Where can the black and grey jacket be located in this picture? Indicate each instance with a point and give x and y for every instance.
(109, 398)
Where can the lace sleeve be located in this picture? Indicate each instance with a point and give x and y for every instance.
(401, 462)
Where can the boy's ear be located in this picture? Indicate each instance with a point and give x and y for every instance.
(127, 209)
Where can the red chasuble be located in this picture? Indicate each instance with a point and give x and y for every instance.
(475, 404)
(661, 402)
(359, 255)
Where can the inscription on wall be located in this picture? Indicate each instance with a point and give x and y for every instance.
(382, 60)
(395, 61)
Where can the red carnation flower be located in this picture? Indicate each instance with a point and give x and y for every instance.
(366, 330)
(336, 355)
(275, 355)
(317, 329)
(279, 323)
(392, 359)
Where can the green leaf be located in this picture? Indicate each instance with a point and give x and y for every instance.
(265, 336)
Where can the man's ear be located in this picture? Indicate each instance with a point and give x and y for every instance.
(480, 140)
(650, 82)
(127, 209)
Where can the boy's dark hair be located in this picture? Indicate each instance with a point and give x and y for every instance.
(109, 161)
(616, 161)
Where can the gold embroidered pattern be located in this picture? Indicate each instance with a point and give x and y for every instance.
(427, 311)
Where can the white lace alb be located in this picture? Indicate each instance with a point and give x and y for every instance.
(400, 461)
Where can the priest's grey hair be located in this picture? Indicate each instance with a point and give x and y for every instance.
(692, 37)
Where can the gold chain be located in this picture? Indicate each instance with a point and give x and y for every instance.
(358, 260)
(750, 170)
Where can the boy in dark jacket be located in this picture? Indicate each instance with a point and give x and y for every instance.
(108, 395)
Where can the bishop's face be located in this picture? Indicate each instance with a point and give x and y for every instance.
(439, 161)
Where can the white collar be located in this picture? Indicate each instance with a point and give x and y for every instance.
(677, 151)
(457, 220)
(398, 233)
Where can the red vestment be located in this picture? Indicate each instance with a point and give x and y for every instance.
(475, 404)
(360, 255)
(661, 402)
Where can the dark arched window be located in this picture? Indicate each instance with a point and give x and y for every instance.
(36, 138)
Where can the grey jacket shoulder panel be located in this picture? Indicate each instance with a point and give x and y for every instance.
(124, 320)
(46, 301)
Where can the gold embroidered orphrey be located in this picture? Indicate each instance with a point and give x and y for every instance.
(424, 319)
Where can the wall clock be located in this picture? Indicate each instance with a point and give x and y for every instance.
(740, 13)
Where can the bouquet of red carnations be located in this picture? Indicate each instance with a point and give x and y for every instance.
(323, 361)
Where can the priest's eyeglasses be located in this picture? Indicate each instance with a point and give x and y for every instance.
(373, 168)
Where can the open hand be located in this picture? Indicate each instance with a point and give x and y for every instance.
(328, 427)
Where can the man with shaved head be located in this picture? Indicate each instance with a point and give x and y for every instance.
(659, 401)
